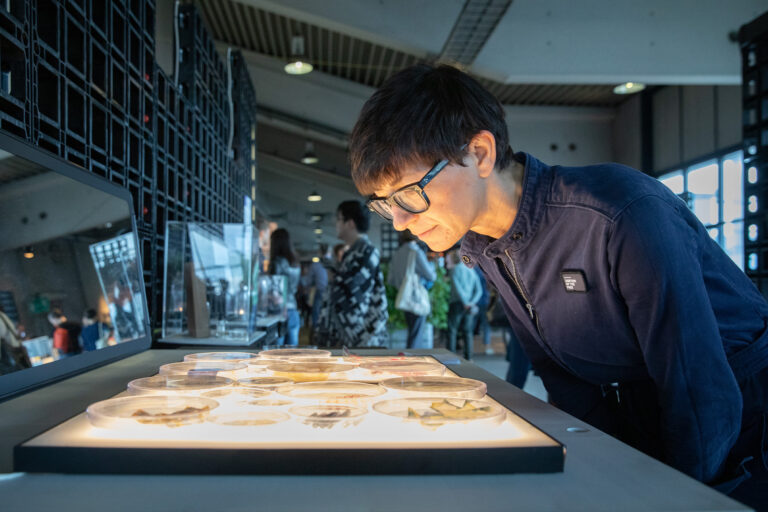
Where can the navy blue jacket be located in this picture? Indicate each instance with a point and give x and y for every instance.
(663, 303)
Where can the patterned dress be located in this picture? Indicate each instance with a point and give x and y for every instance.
(355, 306)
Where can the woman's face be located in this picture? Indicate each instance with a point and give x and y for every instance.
(455, 198)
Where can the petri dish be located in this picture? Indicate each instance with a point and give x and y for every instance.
(310, 372)
(329, 416)
(131, 411)
(230, 370)
(179, 385)
(268, 383)
(437, 386)
(332, 392)
(221, 356)
(248, 418)
(288, 353)
(267, 402)
(437, 411)
(404, 368)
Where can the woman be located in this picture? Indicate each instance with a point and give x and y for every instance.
(282, 262)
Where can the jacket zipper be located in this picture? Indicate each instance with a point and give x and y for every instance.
(528, 305)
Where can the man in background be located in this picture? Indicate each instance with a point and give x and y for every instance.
(355, 310)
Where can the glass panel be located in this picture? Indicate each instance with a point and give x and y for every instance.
(733, 242)
(70, 274)
(702, 185)
(210, 284)
(752, 174)
(733, 187)
(752, 232)
(752, 261)
(674, 180)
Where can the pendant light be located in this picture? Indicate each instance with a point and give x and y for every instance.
(298, 64)
(309, 158)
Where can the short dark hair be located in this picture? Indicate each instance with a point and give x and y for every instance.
(90, 314)
(421, 115)
(355, 211)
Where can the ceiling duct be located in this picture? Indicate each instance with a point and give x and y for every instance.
(475, 24)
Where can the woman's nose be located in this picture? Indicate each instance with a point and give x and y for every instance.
(401, 218)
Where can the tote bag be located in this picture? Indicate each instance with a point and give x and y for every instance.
(412, 295)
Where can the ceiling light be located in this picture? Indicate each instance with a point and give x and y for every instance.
(309, 157)
(298, 64)
(29, 253)
(318, 231)
(316, 217)
(315, 259)
(314, 197)
(628, 88)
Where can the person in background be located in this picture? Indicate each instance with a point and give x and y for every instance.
(282, 262)
(13, 356)
(398, 266)
(316, 281)
(481, 319)
(465, 293)
(355, 310)
(94, 332)
(338, 253)
(65, 335)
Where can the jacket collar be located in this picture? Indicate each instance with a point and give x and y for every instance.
(536, 182)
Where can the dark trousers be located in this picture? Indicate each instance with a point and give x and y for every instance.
(519, 365)
(460, 319)
(415, 325)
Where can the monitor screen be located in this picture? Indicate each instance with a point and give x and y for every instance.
(71, 287)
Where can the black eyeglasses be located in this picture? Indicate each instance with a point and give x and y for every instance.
(410, 198)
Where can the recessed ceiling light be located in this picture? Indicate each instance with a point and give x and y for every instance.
(318, 231)
(29, 253)
(628, 88)
(314, 197)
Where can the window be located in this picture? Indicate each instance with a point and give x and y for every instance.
(714, 191)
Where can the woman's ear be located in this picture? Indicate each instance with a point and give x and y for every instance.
(483, 147)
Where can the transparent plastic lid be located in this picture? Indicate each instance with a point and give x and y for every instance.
(437, 386)
(221, 356)
(436, 411)
(329, 416)
(308, 372)
(405, 368)
(132, 411)
(178, 384)
(287, 353)
(212, 368)
(269, 383)
(332, 391)
(249, 418)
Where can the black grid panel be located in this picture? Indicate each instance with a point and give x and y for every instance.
(79, 79)
(754, 50)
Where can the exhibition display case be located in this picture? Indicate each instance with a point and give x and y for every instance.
(210, 284)
(333, 415)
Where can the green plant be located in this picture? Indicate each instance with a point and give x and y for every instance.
(439, 296)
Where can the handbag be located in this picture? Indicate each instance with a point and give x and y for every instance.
(412, 295)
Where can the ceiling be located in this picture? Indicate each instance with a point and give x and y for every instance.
(532, 54)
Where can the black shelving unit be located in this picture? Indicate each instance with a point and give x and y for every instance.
(753, 38)
(79, 79)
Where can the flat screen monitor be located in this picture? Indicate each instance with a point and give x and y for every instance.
(71, 287)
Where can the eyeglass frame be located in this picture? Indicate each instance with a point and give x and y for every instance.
(418, 185)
